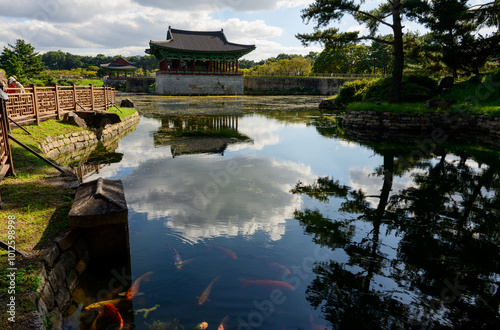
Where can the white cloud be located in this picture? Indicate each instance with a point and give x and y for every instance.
(125, 27)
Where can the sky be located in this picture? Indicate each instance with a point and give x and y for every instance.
(125, 27)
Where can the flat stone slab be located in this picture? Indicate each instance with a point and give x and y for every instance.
(98, 203)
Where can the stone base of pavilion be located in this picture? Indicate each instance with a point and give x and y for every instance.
(194, 84)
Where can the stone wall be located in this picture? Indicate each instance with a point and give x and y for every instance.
(320, 86)
(53, 146)
(64, 261)
(438, 126)
(115, 83)
(139, 85)
(181, 84)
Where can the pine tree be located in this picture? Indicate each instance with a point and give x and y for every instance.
(21, 60)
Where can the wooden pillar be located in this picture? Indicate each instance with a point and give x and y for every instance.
(35, 103)
(105, 89)
(210, 66)
(237, 66)
(193, 65)
(58, 106)
(74, 96)
(92, 96)
(179, 67)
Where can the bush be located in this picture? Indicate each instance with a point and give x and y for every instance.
(352, 91)
(415, 89)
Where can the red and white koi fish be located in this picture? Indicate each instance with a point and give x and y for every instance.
(206, 293)
(267, 283)
(226, 252)
(178, 262)
(109, 315)
(223, 323)
(315, 326)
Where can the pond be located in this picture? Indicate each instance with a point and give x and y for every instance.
(262, 213)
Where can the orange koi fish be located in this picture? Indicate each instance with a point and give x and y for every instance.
(109, 315)
(226, 252)
(277, 266)
(315, 326)
(267, 283)
(121, 301)
(134, 289)
(223, 323)
(206, 293)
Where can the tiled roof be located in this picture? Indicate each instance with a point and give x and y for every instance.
(198, 41)
(120, 63)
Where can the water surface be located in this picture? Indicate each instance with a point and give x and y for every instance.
(297, 226)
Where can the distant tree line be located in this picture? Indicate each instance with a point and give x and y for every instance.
(59, 60)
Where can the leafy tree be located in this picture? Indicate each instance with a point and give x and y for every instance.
(348, 59)
(389, 13)
(21, 60)
(54, 60)
(454, 25)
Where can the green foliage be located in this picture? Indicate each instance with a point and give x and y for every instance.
(415, 89)
(348, 59)
(352, 91)
(21, 60)
(294, 66)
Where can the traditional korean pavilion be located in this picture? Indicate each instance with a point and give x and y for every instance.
(119, 67)
(198, 63)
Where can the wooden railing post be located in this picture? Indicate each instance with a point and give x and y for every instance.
(58, 106)
(105, 89)
(74, 95)
(35, 104)
(91, 97)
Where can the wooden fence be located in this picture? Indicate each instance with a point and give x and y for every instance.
(6, 164)
(37, 104)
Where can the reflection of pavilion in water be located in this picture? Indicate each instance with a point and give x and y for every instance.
(198, 134)
(191, 123)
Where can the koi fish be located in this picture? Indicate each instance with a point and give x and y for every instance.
(98, 306)
(267, 283)
(223, 323)
(202, 326)
(118, 302)
(178, 262)
(134, 289)
(206, 293)
(315, 326)
(108, 315)
(277, 266)
(226, 252)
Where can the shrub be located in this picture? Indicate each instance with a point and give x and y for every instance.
(415, 89)
(352, 91)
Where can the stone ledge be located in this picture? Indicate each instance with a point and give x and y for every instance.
(52, 146)
(421, 122)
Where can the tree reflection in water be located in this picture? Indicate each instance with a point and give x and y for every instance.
(444, 271)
